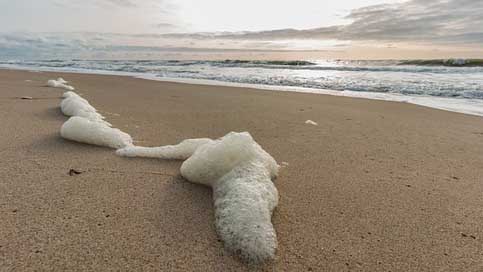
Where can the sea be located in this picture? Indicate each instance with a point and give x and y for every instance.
(453, 85)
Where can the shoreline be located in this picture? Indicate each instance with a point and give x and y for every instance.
(376, 186)
(457, 105)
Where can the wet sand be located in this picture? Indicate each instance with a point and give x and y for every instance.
(376, 186)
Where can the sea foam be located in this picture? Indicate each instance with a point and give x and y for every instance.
(87, 126)
(240, 173)
(69, 94)
(60, 83)
(83, 130)
(180, 151)
(74, 105)
(238, 170)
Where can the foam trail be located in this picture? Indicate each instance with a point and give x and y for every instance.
(244, 200)
(69, 94)
(62, 81)
(59, 83)
(87, 126)
(74, 105)
(240, 173)
(83, 130)
(71, 104)
(180, 151)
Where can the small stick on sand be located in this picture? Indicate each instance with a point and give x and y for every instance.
(132, 172)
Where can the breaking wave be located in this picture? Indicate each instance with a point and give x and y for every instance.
(446, 62)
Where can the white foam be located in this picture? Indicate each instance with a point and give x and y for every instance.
(79, 102)
(180, 151)
(62, 81)
(240, 173)
(74, 105)
(69, 94)
(310, 122)
(83, 130)
(59, 83)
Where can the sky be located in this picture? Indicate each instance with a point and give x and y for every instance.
(370, 29)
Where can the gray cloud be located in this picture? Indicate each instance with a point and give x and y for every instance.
(419, 20)
(28, 45)
(435, 22)
(165, 26)
(442, 21)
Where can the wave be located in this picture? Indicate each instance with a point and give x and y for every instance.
(237, 63)
(371, 85)
(421, 69)
(153, 66)
(268, 62)
(351, 66)
(375, 76)
(450, 88)
(445, 62)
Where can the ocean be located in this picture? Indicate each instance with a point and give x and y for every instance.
(454, 85)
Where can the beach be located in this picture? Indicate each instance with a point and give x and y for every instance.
(375, 186)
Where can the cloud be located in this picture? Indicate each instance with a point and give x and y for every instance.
(163, 26)
(124, 3)
(122, 16)
(101, 3)
(413, 25)
(28, 45)
(438, 21)
(418, 20)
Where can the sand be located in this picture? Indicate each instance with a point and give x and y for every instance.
(376, 186)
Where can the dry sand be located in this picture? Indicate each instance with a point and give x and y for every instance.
(376, 186)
